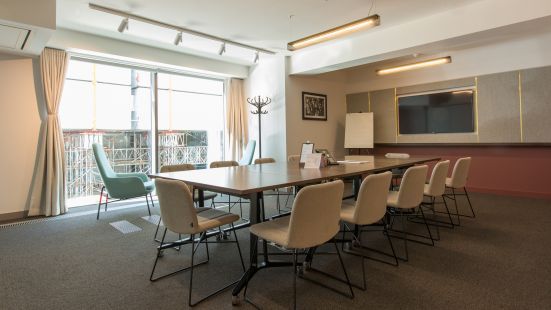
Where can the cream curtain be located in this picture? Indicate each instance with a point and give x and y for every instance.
(48, 189)
(237, 132)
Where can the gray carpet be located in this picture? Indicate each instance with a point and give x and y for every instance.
(500, 260)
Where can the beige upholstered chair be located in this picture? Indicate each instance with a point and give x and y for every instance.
(228, 163)
(223, 163)
(457, 181)
(436, 188)
(369, 208)
(314, 221)
(185, 167)
(409, 197)
(180, 216)
(265, 160)
(397, 173)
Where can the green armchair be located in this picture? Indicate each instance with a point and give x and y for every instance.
(120, 186)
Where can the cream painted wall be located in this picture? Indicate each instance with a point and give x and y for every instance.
(524, 53)
(267, 78)
(19, 128)
(324, 134)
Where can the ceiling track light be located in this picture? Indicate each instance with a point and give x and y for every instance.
(360, 24)
(178, 38)
(416, 65)
(256, 57)
(222, 49)
(124, 25)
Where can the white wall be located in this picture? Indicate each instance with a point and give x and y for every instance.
(524, 53)
(324, 134)
(267, 78)
(19, 128)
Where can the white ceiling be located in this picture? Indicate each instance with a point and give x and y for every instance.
(261, 23)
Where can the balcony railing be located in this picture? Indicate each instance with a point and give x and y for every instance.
(128, 151)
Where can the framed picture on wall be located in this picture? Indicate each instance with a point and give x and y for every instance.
(314, 106)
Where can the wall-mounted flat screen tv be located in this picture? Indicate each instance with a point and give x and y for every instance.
(450, 111)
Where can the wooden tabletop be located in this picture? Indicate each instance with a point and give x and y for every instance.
(243, 180)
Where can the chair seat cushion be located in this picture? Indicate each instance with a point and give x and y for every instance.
(276, 231)
(211, 218)
(347, 212)
(149, 186)
(449, 182)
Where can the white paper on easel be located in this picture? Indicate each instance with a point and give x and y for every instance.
(313, 161)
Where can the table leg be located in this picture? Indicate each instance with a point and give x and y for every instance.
(201, 198)
(254, 217)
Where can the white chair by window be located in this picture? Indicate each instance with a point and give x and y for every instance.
(180, 216)
(409, 197)
(458, 181)
(314, 221)
(368, 209)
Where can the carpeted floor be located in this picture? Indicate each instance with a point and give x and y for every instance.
(500, 260)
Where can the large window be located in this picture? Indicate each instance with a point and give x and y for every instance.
(114, 106)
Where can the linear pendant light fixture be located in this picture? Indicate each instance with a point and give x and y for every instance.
(124, 25)
(417, 65)
(360, 24)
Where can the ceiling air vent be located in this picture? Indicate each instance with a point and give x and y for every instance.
(13, 37)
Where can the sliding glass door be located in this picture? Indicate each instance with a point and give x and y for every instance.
(114, 106)
(190, 120)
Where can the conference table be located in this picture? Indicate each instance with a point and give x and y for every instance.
(250, 181)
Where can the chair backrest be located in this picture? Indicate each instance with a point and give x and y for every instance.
(177, 167)
(371, 204)
(437, 182)
(223, 163)
(102, 162)
(265, 160)
(294, 159)
(412, 186)
(315, 215)
(247, 158)
(176, 204)
(460, 172)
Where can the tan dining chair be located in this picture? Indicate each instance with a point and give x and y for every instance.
(223, 164)
(436, 189)
(185, 167)
(294, 159)
(265, 160)
(314, 221)
(458, 181)
(180, 216)
(409, 197)
(368, 209)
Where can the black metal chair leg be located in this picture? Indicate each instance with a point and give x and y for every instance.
(157, 230)
(391, 245)
(456, 209)
(158, 255)
(427, 225)
(294, 279)
(147, 201)
(100, 199)
(448, 210)
(238, 248)
(469, 200)
(191, 271)
(344, 270)
(405, 235)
